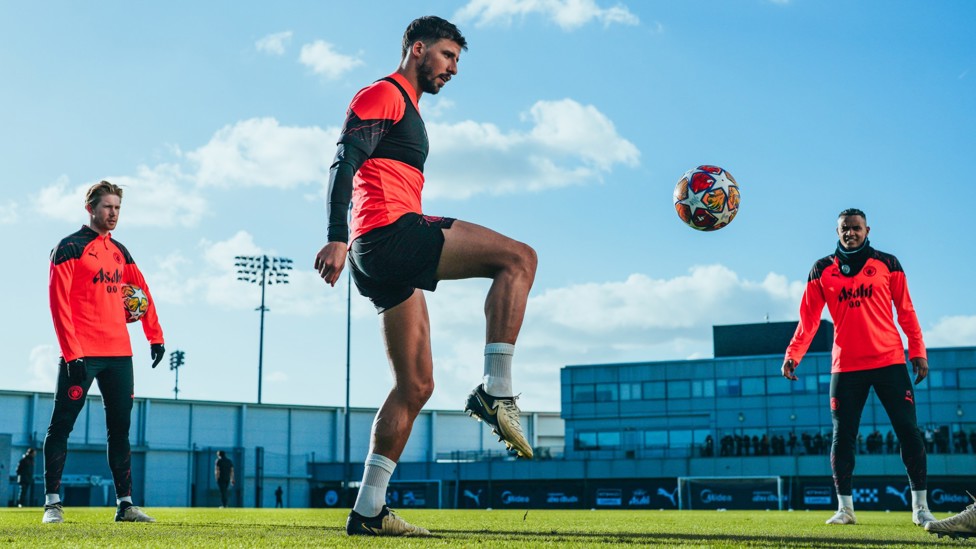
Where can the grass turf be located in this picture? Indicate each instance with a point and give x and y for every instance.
(206, 527)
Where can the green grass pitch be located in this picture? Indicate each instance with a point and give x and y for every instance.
(206, 527)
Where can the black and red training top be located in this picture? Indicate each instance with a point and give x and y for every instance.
(87, 272)
(865, 335)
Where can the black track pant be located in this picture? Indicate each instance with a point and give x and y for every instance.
(114, 375)
(223, 492)
(24, 492)
(848, 393)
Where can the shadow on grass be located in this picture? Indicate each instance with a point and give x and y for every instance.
(666, 537)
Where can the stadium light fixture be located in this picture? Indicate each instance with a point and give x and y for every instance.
(176, 359)
(262, 270)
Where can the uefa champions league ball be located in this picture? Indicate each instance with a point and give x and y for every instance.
(706, 198)
(135, 303)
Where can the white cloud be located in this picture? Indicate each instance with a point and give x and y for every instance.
(8, 213)
(567, 14)
(178, 279)
(277, 377)
(568, 144)
(158, 196)
(274, 43)
(42, 369)
(260, 152)
(952, 331)
(321, 57)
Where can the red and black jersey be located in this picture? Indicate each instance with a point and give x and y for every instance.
(383, 121)
(860, 304)
(87, 270)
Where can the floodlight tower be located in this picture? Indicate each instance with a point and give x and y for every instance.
(175, 361)
(262, 270)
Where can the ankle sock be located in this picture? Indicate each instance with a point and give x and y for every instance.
(498, 369)
(372, 492)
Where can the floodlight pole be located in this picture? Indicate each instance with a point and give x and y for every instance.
(262, 308)
(347, 472)
(175, 362)
(255, 269)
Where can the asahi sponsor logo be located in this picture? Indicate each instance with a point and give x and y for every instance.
(107, 278)
(508, 497)
(639, 498)
(708, 496)
(861, 292)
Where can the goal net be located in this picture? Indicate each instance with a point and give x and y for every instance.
(730, 493)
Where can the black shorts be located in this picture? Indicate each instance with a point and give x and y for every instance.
(390, 262)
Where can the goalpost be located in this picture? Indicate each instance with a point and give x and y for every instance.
(746, 492)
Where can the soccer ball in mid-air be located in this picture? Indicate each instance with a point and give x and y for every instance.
(135, 303)
(707, 198)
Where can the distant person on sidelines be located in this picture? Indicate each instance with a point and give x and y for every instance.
(224, 475)
(395, 252)
(279, 493)
(88, 269)
(860, 285)
(25, 476)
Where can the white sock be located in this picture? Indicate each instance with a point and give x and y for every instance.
(372, 492)
(919, 499)
(498, 369)
(127, 499)
(846, 501)
(51, 499)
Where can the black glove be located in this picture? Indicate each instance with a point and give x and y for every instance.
(77, 372)
(156, 351)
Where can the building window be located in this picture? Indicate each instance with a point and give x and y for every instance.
(608, 439)
(606, 392)
(681, 439)
(703, 388)
(653, 390)
(782, 386)
(630, 391)
(586, 441)
(823, 384)
(727, 387)
(752, 386)
(680, 388)
(967, 379)
(655, 439)
(584, 393)
(948, 379)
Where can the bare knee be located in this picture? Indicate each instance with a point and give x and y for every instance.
(415, 393)
(525, 262)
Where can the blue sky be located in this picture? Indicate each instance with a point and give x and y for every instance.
(567, 127)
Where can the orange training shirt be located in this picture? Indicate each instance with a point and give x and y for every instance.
(383, 121)
(87, 271)
(865, 336)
